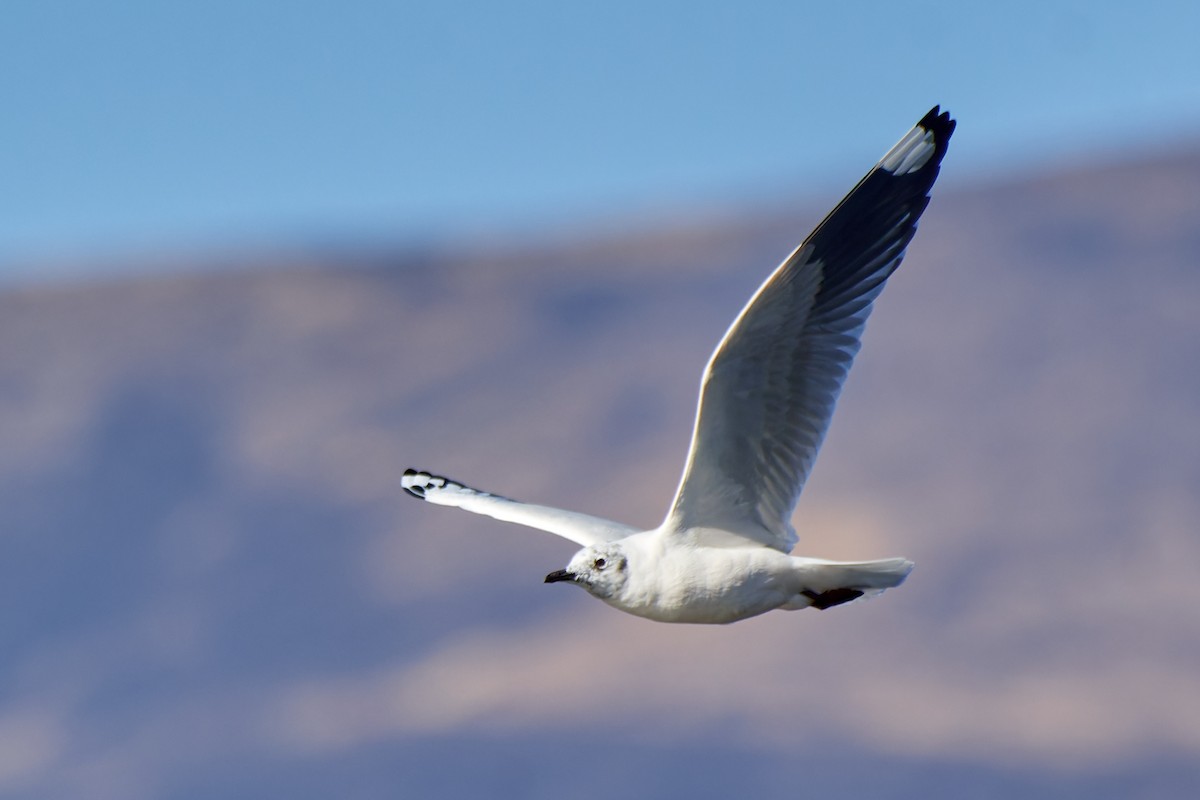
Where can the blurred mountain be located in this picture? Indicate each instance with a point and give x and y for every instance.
(212, 586)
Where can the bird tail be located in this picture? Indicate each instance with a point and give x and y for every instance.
(831, 583)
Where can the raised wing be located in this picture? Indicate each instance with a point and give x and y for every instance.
(579, 528)
(769, 390)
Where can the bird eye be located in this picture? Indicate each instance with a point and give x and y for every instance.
(599, 563)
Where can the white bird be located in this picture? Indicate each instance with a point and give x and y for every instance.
(767, 395)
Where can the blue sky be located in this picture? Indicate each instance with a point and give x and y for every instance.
(141, 126)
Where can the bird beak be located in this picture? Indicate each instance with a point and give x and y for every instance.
(560, 575)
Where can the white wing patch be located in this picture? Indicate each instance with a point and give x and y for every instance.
(911, 153)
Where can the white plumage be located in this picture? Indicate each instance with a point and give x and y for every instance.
(766, 399)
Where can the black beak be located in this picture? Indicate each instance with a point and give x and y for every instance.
(560, 575)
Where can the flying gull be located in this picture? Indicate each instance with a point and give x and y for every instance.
(766, 398)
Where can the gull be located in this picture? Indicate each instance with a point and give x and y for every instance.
(722, 553)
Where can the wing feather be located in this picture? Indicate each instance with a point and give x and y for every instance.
(582, 529)
(769, 390)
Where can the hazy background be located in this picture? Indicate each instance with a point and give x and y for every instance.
(258, 259)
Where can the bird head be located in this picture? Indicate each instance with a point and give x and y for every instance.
(601, 569)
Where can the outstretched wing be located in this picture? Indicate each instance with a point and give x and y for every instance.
(769, 390)
(579, 528)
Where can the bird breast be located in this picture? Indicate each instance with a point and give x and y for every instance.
(704, 584)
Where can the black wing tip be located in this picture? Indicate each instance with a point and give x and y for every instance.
(941, 125)
(918, 156)
(417, 482)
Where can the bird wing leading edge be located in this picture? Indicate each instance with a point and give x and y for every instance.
(579, 528)
(769, 389)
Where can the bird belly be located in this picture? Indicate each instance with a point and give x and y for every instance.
(711, 586)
